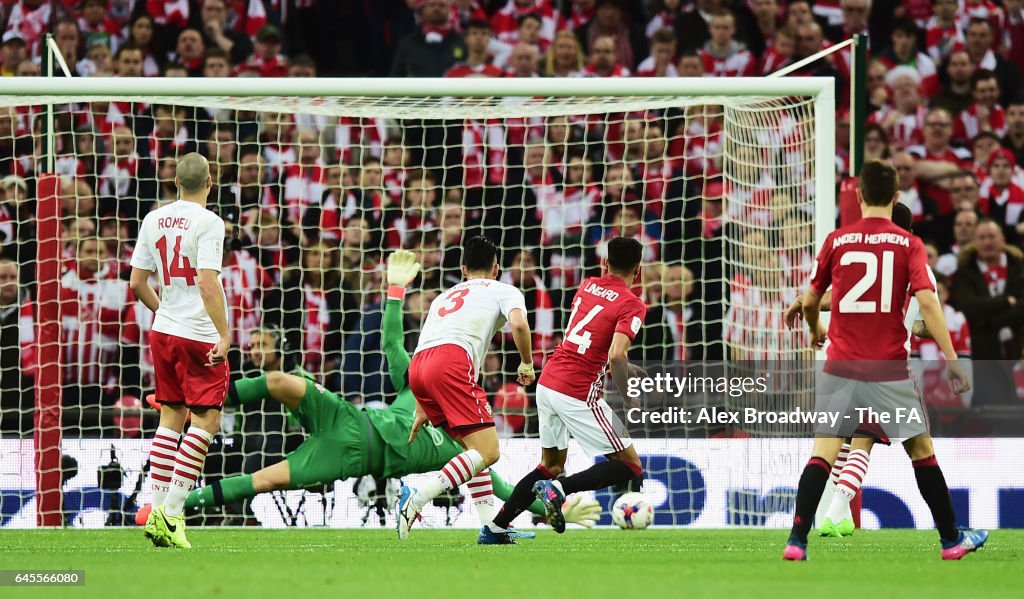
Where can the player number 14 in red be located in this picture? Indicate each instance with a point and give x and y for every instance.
(574, 333)
(179, 266)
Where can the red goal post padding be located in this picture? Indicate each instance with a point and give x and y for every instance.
(47, 433)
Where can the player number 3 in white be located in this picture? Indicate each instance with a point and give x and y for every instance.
(851, 302)
(574, 333)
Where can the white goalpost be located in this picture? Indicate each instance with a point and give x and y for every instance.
(729, 183)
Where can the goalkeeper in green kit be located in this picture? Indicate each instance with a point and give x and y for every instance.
(344, 441)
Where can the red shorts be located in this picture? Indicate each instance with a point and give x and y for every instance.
(444, 382)
(182, 376)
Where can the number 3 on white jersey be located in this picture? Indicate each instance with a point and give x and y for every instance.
(576, 334)
(851, 302)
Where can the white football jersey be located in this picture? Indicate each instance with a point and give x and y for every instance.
(468, 315)
(175, 242)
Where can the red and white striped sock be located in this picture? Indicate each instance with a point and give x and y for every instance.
(837, 466)
(187, 468)
(481, 491)
(457, 472)
(850, 480)
(161, 463)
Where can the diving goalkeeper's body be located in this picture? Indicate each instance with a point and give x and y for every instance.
(345, 441)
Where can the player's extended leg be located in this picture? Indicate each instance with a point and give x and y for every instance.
(552, 462)
(288, 389)
(808, 494)
(931, 483)
(503, 490)
(316, 462)
(582, 512)
(236, 488)
(837, 521)
(620, 468)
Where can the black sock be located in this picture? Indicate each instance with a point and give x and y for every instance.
(808, 494)
(629, 486)
(600, 475)
(933, 488)
(521, 498)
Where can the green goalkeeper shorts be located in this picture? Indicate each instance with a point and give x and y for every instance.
(337, 445)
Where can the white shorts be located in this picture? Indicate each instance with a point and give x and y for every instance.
(592, 423)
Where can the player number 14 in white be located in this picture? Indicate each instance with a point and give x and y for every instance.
(574, 332)
(851, 302)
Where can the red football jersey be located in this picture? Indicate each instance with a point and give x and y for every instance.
(871, 265)
(602, 307)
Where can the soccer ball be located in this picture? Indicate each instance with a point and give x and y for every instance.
(632, 511)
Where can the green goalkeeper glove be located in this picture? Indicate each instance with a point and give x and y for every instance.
(582, 512)
(402, 268)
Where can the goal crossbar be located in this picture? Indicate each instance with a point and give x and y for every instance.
(817, 87)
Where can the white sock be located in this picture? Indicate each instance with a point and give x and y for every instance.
(481, 491)
(850, 480)
(187, 468)
(458, 471)
(161, 463)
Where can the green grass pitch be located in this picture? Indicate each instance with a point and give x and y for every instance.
(305, 563)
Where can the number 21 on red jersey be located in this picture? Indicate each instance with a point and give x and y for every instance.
(851, 302)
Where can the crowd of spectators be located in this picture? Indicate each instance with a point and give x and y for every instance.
(313, 204)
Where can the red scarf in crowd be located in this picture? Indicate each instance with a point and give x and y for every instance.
(995, 275)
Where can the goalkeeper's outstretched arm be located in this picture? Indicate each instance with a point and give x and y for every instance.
(402, 269)
(393, 335)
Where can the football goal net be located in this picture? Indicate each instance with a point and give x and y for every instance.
(728, 183)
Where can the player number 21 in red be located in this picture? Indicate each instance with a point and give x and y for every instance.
(851, 303)
(179, 266)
